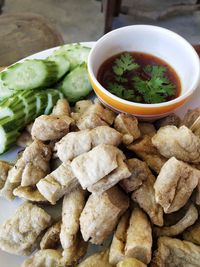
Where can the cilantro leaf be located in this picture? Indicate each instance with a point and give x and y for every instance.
(124, 63)
(121, 79)
(157, 88)
(120, 91)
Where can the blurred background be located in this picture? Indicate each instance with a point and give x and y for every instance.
(28, 26)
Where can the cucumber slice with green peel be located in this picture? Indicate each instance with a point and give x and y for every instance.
(30, 74)
(53, 97)
(41, 102)
(76, 84)
(75, 53)
(62, 64)
(4, 91)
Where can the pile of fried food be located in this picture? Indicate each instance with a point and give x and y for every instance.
(114, 175)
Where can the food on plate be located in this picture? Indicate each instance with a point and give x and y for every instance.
(192, 233)
(190, 117)
(99, 259)
(144, 195)
(145, 150)
(32, 166)
(4, 169)
(175, 184)
(44, 258)
(82, 105)
(19, 234)
(188, 219)
(58, 183)
(51, 238)
(177, 142)
(76, 143)
(172, 252)
(101, 214)
(146, 128)
(139, 237)
(171, 119)
(119, 240)
(73, 204)
(139, 173)
(139, 77)
(130, 262)
(128, 126)
(29, 193)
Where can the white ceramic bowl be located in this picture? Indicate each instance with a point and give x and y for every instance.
(160, 42)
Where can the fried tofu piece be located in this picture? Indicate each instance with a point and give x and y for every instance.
(51, 127)
(7, 190)
(139, 173)
(73, 204)
(192, 233)
(89, 121)
(101, 214)
(118, 174)
(188, 219)
(29, 193)
(76, 143)
(92, 166)
(128, 126)
(177, 142)
(171, 119)
(190, 117)
(58, 183)
(4, 169)
(145, 197)
(119, 240)
(145, 150)
(139, 237)
(130, 262)
(19, 234)
(172, 252)
(62, 107)
(72, 254)
(146, 128)
(44, 258)
(51, 238)
(99, 259)
(82, 105)
(175, 184)
(25, 139)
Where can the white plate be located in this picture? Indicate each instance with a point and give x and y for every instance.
(7, 208)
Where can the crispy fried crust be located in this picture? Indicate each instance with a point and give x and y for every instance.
(51, 238)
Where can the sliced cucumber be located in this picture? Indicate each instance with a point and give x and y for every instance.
(76, 85)
(41, 102)
(75, 53)
(62, 64)
(53, 96)
(4, 90)
(30, 74)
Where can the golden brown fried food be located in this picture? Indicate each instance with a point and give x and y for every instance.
(178, 142)
(61, 108)
(44, 258)
(145, 150)
(4, 169)
(82, 105)
(119, 240)
(19, 234)
(29, 193)
(175, 184)
(128, 126)
(190, 117)
(58, 183)
(51, 238)
(139, 237)
(130, 262)
(192, 233)
(73, 204)
(171, 119)
(118, 174)
(145, 197)
(173, 252)
(101, 214)
(92, 166)
(139, 173)
(146, 128)
(99, 259)
(189, 219)
(25, 139)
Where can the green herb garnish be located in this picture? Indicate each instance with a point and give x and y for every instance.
(120, 91)
(124, 63)
(157, 87)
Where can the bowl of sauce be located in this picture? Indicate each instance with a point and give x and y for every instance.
(143, 70)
